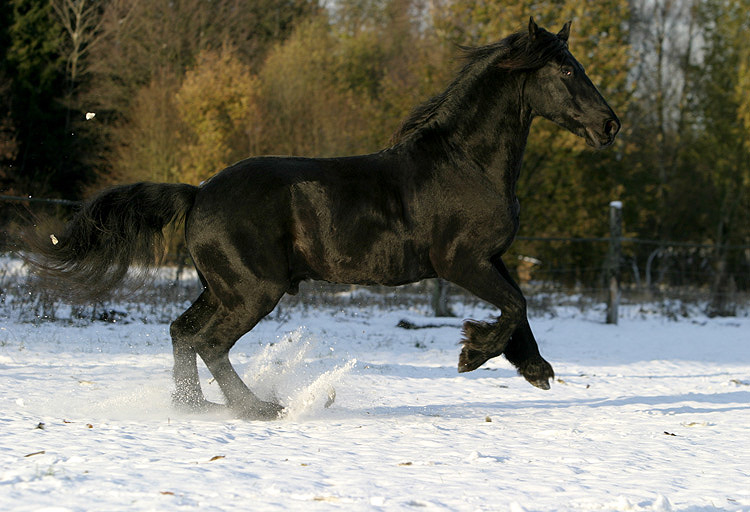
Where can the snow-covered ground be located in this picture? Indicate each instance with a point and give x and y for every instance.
(649, 415)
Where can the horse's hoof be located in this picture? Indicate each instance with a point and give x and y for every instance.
(538, 372)
(194, 404)
(541, 384)
(264, 411)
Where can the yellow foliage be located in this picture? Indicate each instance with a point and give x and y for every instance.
(217, 102)
(742, 93)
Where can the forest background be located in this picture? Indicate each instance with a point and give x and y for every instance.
(97, 92)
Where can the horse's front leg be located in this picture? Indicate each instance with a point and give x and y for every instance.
(522, 350)
(510, 334)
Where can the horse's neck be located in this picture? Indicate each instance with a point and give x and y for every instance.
(482, 127)
(491, 129)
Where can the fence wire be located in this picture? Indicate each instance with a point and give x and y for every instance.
(648, 268)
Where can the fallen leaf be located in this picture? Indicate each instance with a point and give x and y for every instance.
(326, 498)
(404, 463)
(216, 457)
(40, 425)
(89, 425)
(669, 434)
(42, 452)
(696, 424)
(166, 493)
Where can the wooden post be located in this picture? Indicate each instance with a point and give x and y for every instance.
(614, 259)
(440, 298)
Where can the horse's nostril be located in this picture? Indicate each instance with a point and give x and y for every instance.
(611, 127)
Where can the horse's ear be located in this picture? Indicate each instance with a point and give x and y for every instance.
(565, 32)
(533, 28)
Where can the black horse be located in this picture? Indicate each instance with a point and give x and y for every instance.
(440, 202)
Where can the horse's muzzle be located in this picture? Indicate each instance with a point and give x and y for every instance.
(607, 135)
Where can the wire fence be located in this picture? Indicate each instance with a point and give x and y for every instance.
(645, 270)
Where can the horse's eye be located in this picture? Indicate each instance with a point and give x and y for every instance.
(567, 72)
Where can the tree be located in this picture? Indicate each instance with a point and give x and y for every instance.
(48, 157)
(145, 43)
(721, 149)
(81, 20)
(304, 110)
(217, 102)
(150, 146)
(663, 34)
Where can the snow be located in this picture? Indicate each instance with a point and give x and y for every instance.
(652, 414)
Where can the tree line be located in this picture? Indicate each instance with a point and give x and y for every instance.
(95, 92)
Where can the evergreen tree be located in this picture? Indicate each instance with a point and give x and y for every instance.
(721, 151)
(44, 162)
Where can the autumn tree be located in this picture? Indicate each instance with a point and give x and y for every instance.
(217, 103)
(144, 45)
(150, 145)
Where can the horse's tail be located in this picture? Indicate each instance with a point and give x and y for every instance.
(120, 227)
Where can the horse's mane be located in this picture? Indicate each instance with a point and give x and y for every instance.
(517, 52)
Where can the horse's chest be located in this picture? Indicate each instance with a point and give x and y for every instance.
(485, 226)
(496, 213)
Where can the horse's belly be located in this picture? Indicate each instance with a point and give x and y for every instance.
(386, 260)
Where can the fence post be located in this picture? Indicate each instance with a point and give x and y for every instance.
(439, 300)
(614, 259)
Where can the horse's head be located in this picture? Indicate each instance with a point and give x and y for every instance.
(561, 92)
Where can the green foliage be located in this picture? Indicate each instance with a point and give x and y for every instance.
(33, 52)
(721, 152)
(46, 157)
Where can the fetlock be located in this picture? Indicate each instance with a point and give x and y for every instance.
(481, 341)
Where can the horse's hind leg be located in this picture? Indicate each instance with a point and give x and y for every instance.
(219, 329)
(188, 394)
